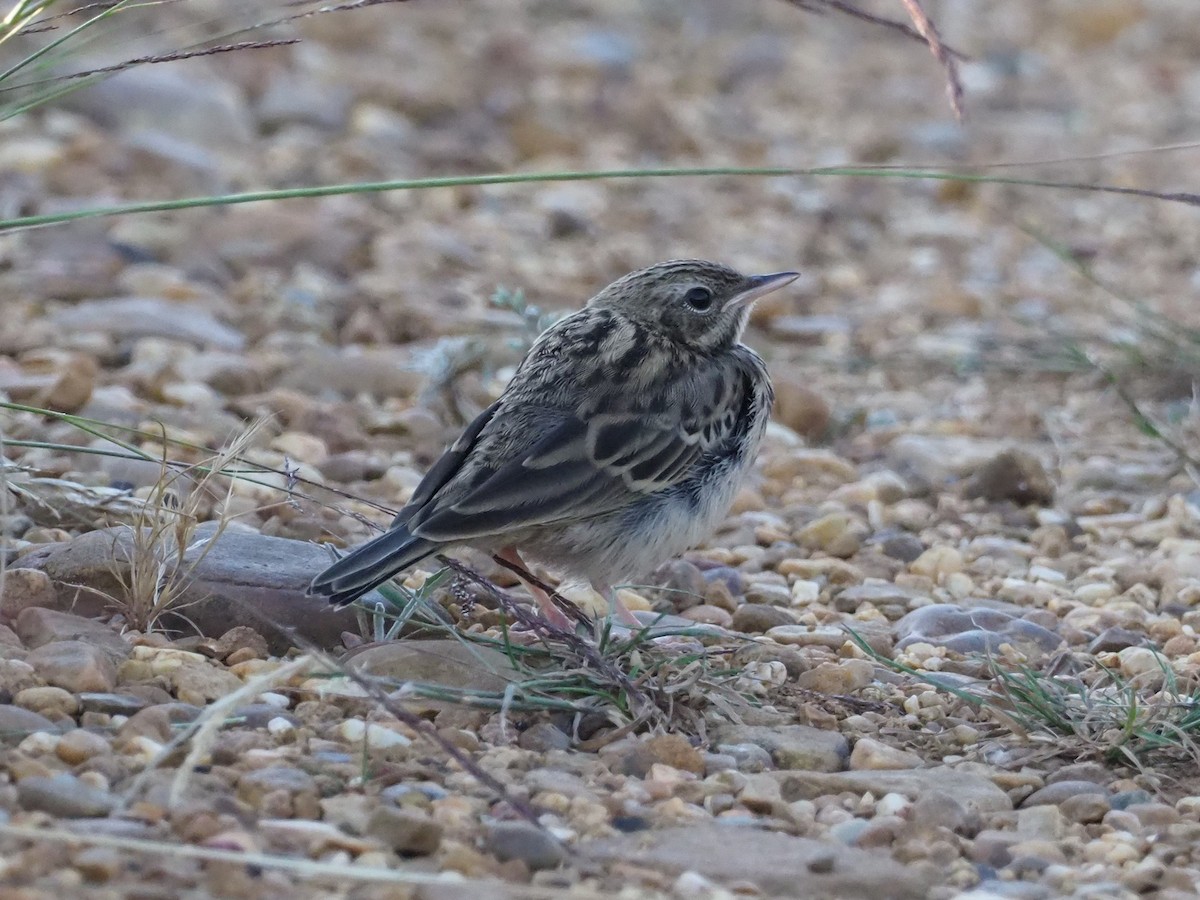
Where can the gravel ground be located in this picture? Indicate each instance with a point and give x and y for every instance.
(953, 517)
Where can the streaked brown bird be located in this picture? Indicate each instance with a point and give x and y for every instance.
(620, 441)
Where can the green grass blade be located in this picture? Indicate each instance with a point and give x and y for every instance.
(413, 184)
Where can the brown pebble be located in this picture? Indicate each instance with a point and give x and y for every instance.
(757, 618)
(49, 701)
(408, 832)
(79, 745)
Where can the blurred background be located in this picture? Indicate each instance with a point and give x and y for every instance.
(370, 326)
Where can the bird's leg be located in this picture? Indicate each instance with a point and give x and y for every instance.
(552, 613)
(617, 607)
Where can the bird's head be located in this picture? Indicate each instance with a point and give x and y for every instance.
(703, 305)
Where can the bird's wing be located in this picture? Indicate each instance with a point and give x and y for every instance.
(446, 467)
(585, 465)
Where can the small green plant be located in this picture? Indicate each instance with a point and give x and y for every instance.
(1097, 713)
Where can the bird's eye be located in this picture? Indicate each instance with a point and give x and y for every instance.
(699, 298)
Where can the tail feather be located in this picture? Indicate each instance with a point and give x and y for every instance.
(370, 565)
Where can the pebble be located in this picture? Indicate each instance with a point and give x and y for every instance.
(1042, 822)
(843, 677)
(971, 630)
(79, 745)
(254, 786)
(111, 704)
(526, 842)
(667, 749)
(25, 589)
(74, 666)
(871, 754)
(1056, 793)
(792, 746)
(376, 736)
(406, 831)
(757, 618)
(1012, 474)
(64, 795)
(16, 723)
(1085, 808)
(52, 701)
(937, 562)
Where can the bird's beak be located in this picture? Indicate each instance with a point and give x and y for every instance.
(759, 286)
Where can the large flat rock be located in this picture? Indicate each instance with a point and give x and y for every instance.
(779, 864)
(242, 578)
(971, 790)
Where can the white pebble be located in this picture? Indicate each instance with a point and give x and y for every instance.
(279, 701)
(892, 804)
(1094, 593)
(280, 726)
(805, 592)
(377, 737)
(759, 677)
(39, 743)
(1045, 573)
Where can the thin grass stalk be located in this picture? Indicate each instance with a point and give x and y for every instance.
(455, 181)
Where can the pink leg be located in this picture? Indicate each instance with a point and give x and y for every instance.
(617, 607)
(552, 613)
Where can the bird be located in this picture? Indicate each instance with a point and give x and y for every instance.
(619, 442)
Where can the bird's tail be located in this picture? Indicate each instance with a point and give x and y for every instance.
(370, 565)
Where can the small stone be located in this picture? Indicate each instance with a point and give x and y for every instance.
(837, 678)
(376, 736)
(805, 592)
(256, 786)
(1040, 822)
(792, 746)
(153, 722)
(1122, 800)
(833, 533)
(799, 407)
(53, 378)
(526, 842)
(79, 745)
(99, 864)
(706, 614)
(17, 723)
(52, 701)
(1155, 816)
(1110, 640)
(1084, 771)
(937, 562)
(407, 831)
(1015, 475)
(749, 758)
(903, 546)
(871, 754)
(281, 726)
(38, 627)
(25, 589)
(543, 736)
(672, 750)
(198, 681)
(238, 638)
(1085, 808)
(111, 704)
(971, 629)
(1143, 661)
(757, 618)
(64, 795)
(1056, 793)
(259, 715)
(74, 666)
(941, 810)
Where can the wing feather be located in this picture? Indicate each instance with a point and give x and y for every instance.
(582, 468)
